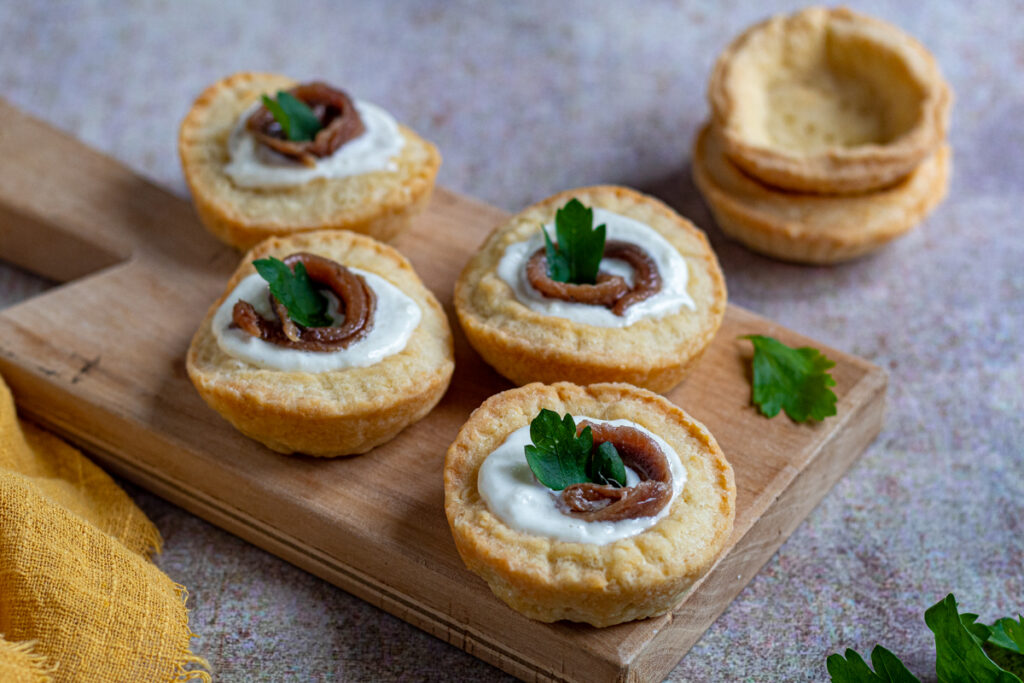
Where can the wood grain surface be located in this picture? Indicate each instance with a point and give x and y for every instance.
(100, 360)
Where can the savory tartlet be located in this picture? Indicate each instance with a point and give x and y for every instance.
(363, 172)
(810, 228)
(828, 101)
(552, 562)
(529, 334)
(382, 363)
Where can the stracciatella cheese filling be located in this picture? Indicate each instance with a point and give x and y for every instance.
(395, 319)
(511, 492)
(670, 263)
(254, 165)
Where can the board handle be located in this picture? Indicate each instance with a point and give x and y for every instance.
(67, 210)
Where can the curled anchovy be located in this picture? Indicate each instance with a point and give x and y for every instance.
(356, 301)
(605, 503)
(610, 291)
(338, 117)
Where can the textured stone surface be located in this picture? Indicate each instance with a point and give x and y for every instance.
(530, 98)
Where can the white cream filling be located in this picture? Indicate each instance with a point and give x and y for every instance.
(671, 265)
(255, 165)
(514, 495)
(394, 320)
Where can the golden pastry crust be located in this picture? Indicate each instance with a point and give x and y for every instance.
(527, 346)
(809, 228)
(380, 204)
(340, 412)
(633, 578)
(828, 101)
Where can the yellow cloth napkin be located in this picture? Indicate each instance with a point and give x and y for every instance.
(79, 598)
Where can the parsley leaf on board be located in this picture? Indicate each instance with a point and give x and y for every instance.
(794, 380)
(559, 458)
(853, 669)
(297, 120)
(306, 306)
(577, 256)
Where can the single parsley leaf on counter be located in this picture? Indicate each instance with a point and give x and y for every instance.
(853, 669)
(577, 256)
(559, 458)
(794, 380)
(297, 120)
(959, 655)
(306, 306)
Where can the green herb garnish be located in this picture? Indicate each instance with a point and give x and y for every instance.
(959, 655)
(297, 120)
(964, 651)
(794, 380)
(559, 458)
(1008, 634)
(306, 306)
(853, 669)
(577, 256)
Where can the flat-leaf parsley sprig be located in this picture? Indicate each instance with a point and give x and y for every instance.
(559, 458)
(794, 380)
(296, 119)
(577, 256)
(306, 305)
(964, 651)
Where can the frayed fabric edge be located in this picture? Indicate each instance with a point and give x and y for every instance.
(182, 670)
(42, 671)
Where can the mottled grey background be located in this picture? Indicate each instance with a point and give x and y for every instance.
(526, 99)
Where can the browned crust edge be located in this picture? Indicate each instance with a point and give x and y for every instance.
(633, 578)
(523, 361)
(266, 412)
(382, 219)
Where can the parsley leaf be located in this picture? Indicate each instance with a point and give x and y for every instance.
(853, 669)
(1008, 634)
(297, 120)
(306, 306)
(577, 256)
(1006, 659)
(958, 652)
(558, 265)
(794, 380)
(605, 466)
(979, 631)
(559, 458)
(1005, 644)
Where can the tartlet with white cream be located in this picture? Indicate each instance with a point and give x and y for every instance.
(550, 565)
(246, 189)
(381, 362)
(528, 335)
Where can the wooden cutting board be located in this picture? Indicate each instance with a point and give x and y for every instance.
(100, 360)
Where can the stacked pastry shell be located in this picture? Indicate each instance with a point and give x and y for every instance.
(827, 136)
